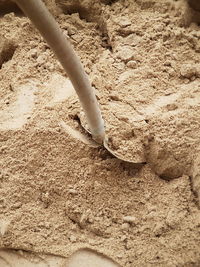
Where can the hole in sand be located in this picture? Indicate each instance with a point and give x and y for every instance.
(106, 41)
(109, 2)
(190, 14)
(69, 8)
(194, 17)
(90, 258)
(7, 50)
(195, 4)
(6, 7)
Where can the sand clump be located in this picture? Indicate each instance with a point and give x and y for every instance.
(59, 194)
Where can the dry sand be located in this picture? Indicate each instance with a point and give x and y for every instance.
(59, 194)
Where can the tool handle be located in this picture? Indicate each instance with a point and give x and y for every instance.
(49, 29)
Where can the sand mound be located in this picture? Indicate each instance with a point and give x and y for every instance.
(58, 193)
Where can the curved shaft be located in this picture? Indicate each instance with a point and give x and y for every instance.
(49, 29)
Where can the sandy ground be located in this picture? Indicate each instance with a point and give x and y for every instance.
(83, 258)
(59, 194)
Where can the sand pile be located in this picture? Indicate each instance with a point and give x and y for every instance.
(59, 194)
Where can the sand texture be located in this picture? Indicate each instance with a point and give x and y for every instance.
(58, 192)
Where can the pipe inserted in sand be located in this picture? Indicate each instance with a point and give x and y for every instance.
(50, 30)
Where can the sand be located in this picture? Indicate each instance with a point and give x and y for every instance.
(59, 193)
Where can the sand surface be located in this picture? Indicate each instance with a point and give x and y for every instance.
(59, 193)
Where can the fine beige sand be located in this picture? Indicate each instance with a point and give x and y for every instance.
(58, 193)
